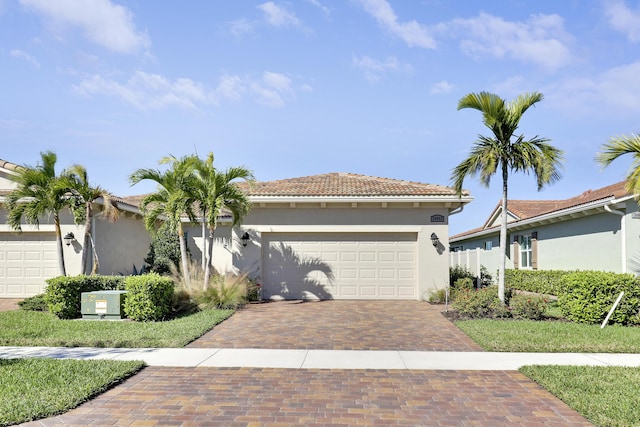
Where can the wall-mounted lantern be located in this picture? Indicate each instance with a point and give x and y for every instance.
(245, 239)
(68, 238)
(434, 240)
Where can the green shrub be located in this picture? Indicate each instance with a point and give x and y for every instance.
(461, 285)
(439, 296)
(481, 303)
(228, 291)
(460, 272)
(183, 303)
(587, 297)
(62, 293)
(532, 307)
(539, 281)
(149, 297)
(253, 291)
(164, 251)
(34, 303)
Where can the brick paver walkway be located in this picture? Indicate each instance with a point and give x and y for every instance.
(244, 396)
(339, 325)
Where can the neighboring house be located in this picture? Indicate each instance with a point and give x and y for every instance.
(340, 236)
(332, 236)
(27, 259)
(597, 230)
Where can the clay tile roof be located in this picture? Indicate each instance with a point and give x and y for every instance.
(345, 185)
(526, 209)
(529, 208)
(8, 165)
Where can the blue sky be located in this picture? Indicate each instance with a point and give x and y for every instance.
(296, 88)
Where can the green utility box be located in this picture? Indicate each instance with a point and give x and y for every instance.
(106, 305)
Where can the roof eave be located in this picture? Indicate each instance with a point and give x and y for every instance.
(361, 199)
(516, 225)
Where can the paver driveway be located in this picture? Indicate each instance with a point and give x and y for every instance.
(339, 325)
(283, 397)
(319, 397)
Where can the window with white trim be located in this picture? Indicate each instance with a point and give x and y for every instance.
(488, 245)
(526, 252)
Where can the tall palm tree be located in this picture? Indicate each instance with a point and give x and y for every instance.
(173, 198)
(39, 194)
(500, 151)
(618, 146)
(77, 183)
(217, 191)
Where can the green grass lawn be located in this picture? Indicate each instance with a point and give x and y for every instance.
(30, 328)
(550, 336)
(607, 396)
(37, 388)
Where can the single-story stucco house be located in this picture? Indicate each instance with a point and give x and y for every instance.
(596, 230)
(331, 236)
(27, 259)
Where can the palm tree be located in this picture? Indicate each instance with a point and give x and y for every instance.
(39, 193)
(618, 146)
(174, 198)
(501, 152)
(77, 183)
(217, 191)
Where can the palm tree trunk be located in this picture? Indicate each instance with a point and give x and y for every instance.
(183, 254)
(96, 261)
(87, 238)
(61, 267)
(209, 266)
(204, 239)
(503, 234)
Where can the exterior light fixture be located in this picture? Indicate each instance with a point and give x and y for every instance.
(434, 240)
(245, 239)
(68, 238)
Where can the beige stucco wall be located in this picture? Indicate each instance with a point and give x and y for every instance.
(588, 243)
(432, 263)
(121, 244)
(223, 246)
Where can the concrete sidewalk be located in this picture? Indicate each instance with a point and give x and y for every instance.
(324, 359)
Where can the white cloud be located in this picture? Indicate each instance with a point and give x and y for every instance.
(102, 22)
(273, 90)
(147, 91)
(541, 40)
(16, 53)
(412, 33)
(278, 16)
(320, 6)
(240, 27)
(231, 87)
(614, 92)
(375, 69)
(441, 87)
(623, 19)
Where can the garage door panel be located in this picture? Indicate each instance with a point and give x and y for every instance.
(28, 260)
(340, 266)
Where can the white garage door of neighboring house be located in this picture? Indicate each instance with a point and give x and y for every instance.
(339, 265)
(26, 261)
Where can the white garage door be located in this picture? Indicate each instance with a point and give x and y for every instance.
(340, 265)
(26, 261)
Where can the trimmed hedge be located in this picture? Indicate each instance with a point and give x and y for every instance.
(149, 297)
(587, 297)
(62, 293)
(548, 282)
